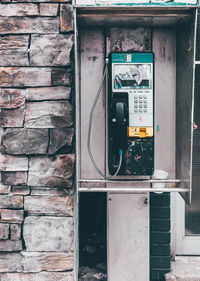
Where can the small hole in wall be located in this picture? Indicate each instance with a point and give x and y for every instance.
(92, 237)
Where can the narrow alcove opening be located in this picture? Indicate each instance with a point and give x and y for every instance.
(92, 236)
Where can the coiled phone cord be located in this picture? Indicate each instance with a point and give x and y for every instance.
(90, 128)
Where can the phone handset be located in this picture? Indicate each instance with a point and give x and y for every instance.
(120, 124)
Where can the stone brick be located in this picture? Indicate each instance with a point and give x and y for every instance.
(49, 205)
(13, 163)
(36, 262)
(21, 190)
(15, 231)
(25, 141)
(60, 138)
(47, 9)
(14, 42)
(11, 262)
(12, 216)
(22, 25)
(66, 18)
(4, 231)
(38, 1)
(4, 189)
(24, 76)
(11, 202)
(50, 49)
(14, 49)
(10, 246)
(14, 178)
(51, 171)
(19, 10)
(1, 134)
(48, 234)
(43, 276)
(47, 93)
(12, 98)
(13, 117)
(61, 77)
(48, 114)
(48, 191)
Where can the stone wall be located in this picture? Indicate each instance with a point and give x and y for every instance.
(37, 153)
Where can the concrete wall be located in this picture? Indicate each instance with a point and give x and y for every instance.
(37, 153)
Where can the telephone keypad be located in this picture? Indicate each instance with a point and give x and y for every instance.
(141, 101)
(141, 97)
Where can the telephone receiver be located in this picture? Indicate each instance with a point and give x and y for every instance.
(120, 128)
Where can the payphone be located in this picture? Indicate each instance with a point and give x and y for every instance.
(130, 113)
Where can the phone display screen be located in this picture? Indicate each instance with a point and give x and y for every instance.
(132, 76)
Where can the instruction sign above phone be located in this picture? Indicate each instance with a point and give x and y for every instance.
(135, 2)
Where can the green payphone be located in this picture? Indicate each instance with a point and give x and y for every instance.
(130, 112)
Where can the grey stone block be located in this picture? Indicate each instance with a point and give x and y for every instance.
(48, 234)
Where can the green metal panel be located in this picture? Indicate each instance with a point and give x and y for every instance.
(136, 2)
(135, 58)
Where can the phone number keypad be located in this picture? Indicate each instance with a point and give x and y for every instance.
(140, 102)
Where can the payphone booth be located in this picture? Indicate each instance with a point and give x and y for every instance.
(134, 115)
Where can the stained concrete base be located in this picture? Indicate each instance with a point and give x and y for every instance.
(184, 269)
